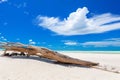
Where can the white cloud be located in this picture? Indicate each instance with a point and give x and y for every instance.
(2, 38)
(71, 43)
(18, 39)
(2, 1)
(32, 42)
(115, 42)
(77, 23)
(18, 5)
(113, 39)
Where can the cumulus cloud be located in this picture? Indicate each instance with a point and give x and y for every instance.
(71, 43)
(114, 42)
(2, 1)
(77, 23)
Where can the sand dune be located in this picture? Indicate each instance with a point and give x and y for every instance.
(34, 68)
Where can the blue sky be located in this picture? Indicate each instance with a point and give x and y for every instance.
(62, 24)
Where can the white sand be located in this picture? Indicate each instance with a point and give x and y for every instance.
(40, 69)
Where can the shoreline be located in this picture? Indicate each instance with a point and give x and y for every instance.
(92, 52)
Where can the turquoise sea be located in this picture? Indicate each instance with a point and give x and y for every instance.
(87, 52)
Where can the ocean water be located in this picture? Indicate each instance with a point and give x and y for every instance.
(92, 52)
(87, 52)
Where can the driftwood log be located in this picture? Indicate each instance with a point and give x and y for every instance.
(45, 53)
(49, 54)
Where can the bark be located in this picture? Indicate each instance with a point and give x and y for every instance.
(46, 53)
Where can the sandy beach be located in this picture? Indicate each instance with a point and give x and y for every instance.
(35, 68)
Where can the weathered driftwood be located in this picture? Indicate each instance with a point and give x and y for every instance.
(46, 53)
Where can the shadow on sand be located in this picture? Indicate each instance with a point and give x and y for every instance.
(47, 61)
